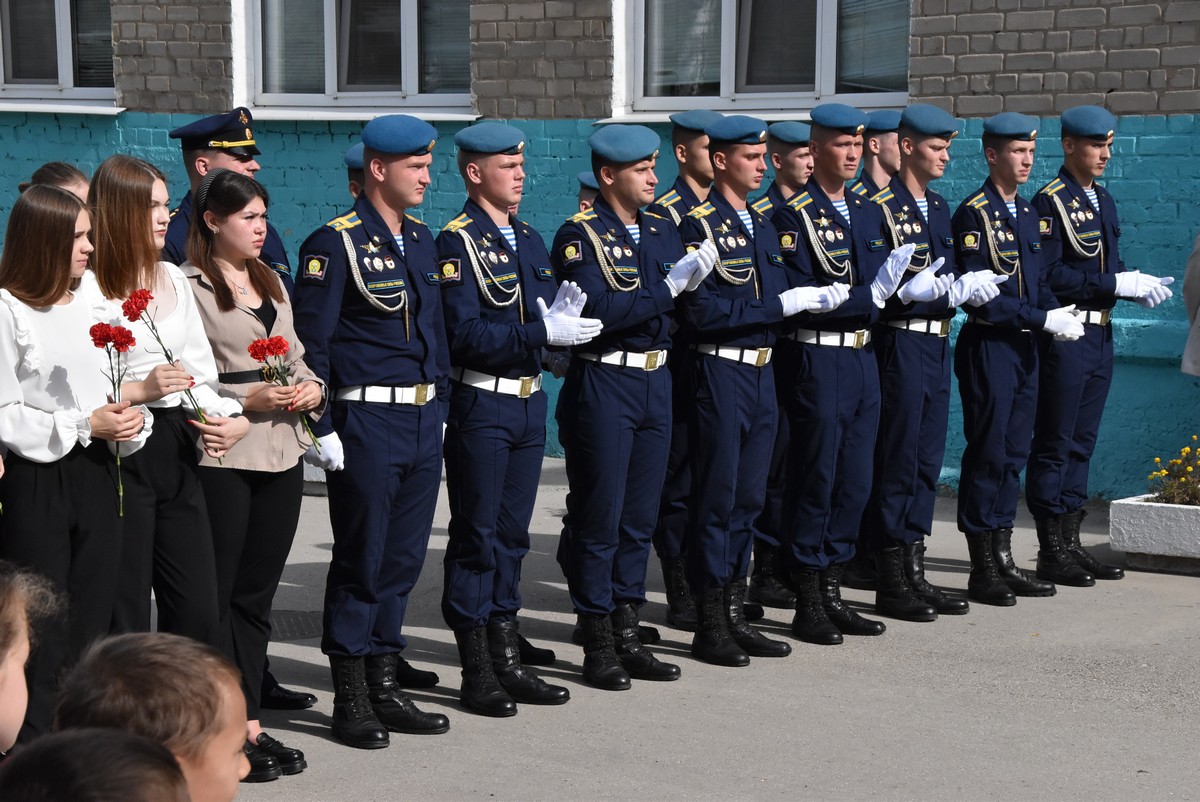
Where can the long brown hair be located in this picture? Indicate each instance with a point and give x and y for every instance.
(125, 254)
(225, 193)
(36, 263)
(56, 174)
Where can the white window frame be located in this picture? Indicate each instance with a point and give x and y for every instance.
(64, 90)
(768, 104)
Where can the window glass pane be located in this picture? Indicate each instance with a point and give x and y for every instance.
(30, 42)
(683, 48)
(873, 46)
(91, 32)
(293, 52)
(445, 50)
(777, 48)
(369, 45)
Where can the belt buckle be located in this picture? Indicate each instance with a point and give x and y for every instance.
(944, 328)
(526, 387)
(421, 394)
(1105, 316)
(651, 360)
(764, 356)
(860, 338)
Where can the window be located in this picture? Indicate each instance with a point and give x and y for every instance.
(364, 53)
(56, 49)
(769, 55)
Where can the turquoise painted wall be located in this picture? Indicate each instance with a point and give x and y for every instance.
(1154, 175)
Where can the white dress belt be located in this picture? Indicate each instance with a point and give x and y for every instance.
(648, 360)
(417, 394)
(758, 357)
(521, 387)
(923, 325)
(845, 339)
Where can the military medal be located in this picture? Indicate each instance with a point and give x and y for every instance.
(916, 227)
(493, 258)
(908, 229)
(741, 240)
(1090, 215)
(840, 236)
(628, 251)
(389, 262)
(503, 257)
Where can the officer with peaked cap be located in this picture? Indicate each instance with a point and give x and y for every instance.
(881, 152)
(995, 358)
(1079, 235)
(220, 141)
(614, 410)
(368, 310)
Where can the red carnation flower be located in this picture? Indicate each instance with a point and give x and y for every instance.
(258, 350)
(101, 334)
(278, 346)
(122, 338)
(136, 305)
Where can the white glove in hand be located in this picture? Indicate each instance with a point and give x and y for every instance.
(976, 288)
(831, 297)
(802, 299)
(1064, 323)
(1156, 294)
(569, 300)
(889, 275)
(680, 277)
(567, 327)
(708, 260)
(330, 457)
(925, 286)
(988, 289)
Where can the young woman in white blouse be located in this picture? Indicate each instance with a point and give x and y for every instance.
(168, 543)
(59, 494)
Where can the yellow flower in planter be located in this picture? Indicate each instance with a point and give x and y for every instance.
(1171, 482)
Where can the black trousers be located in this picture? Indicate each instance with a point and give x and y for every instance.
(60, 520)
(254, 516)
(168, 541)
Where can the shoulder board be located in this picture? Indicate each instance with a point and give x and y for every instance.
(579, 217)
(703, 210)
(667, 198)
(655, 216)
(344, 222)
(800, 201)
(174, 211)
(1054, 186)
(415, 220)
(859, 188)
(459, 222)
(762, 205)
(978, 201)
(883, 196)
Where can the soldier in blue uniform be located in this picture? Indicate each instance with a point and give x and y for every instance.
(368, 310)
(1080, 235)
(614, 410)
(881, 152)
(355, 179)
(588, 189)
(496, 284)
(222, 140)
(787, 145)
(995, 358)
(689, 144)
(831, 237)
(913, 351)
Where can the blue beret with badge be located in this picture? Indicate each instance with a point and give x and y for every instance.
(1090, 122)
(884, 121)
(1011, 125)
(925, 119)
(354, 156)
(695, 120)
(622, 143)
(791, 133)
(737, 129)
(839, 117)
(491, 137)
(587, 180)
(231, 131)
(399, 135)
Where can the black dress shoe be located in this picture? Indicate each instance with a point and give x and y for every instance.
(278, 697)
(291, 761)
(263, 766)
(409, 677)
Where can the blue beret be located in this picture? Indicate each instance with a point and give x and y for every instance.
(622, 144)
(399, 135)
(1011, 125)
(491, 137)
(229, 132)
(695, 120)
(927, 120)
(839, 117)
(792, 133)
(587, 180)
(737, 129)
(354, 156)
(883, 122)
(1092, 122)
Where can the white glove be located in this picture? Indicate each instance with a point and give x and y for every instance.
(330, 457)
(812, 299)
(1147, 291)
(989, 288)
(1064, 323)
(563, 324)
(556, 362)
(708, 255)
(976, 288)
(926, 286)
(681, 275)
(889, 275)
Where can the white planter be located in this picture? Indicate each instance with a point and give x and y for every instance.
(1156, 537)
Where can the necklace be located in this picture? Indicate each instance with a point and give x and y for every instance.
(243, 289)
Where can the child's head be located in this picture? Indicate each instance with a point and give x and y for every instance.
(93, 765)
(181, 693)
(24, 597)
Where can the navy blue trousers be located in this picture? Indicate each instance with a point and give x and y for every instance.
(998, 381)
(615, 426)
(674, 507)
(1073, 386)
(834, 409)
(771, 527)
(381, 511)
(914, 392)
(494, 446)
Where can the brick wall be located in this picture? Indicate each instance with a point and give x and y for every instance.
(547, 59)
(980, 57)
(173, 57)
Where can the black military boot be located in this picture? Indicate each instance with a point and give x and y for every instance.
(646, 634)
(1020, 582)
(409, 677)
(985, 584)
(1070, 532)
(1054, 562)
(601, 668)
(481, 691)
(533, 655)
(859, 573)
(893, 596)
(713, 643)
(354, 721)
(506, 662)
(765, 585)
(392, 707)
(914, 572)
(753, 642)
(846, 620)
(681, 604)
(637, 659)
(811, 624)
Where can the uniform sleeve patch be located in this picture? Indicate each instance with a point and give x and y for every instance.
(1046, 226)
(1036, 246)
(434, 277)
(450, 270)
(787, 240)
(948, 242)
(776, 259)
(572, 252)
(875, 245)
(970, 241)
(314, 267)
(545, 272)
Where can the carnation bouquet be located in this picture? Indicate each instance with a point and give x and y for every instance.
(270, 352)
(115, 340)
